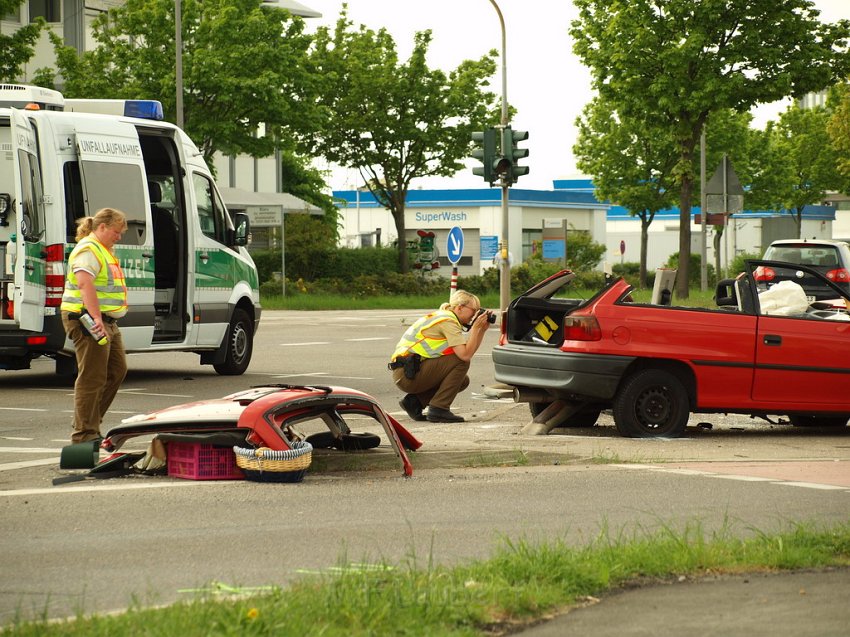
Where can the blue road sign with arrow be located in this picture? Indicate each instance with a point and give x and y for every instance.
(454, 245)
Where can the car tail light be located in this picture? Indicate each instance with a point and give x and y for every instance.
(582, 328)
(839, 275)
(54, 275)
(764, 273)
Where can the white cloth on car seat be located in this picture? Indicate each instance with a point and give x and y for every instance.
(786, 298)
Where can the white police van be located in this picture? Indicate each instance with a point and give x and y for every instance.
(192, 286)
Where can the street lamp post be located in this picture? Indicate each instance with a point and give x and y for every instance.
(504, 265)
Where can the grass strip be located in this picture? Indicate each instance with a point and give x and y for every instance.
(520, 584)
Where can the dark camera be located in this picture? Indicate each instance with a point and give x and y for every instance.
(491, 318)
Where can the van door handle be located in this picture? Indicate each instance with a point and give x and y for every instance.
(147, 255)
(772, 339)
(204, 256)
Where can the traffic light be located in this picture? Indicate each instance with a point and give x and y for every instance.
(512, 154)
(485, 151)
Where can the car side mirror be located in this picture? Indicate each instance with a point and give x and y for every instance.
(725, 294)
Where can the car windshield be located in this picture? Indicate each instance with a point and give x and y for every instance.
(804, 254)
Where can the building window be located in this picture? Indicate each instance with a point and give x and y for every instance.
(47, 9)
(14, 15)
(530, 242)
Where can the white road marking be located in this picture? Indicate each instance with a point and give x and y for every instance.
(29, 450)
(373, 338)
(21, 409)
(8, 466)
(307, 343)
(320, 375)
(141, 392)
(109, 487)
(814, 485)
(14, 438)
(729, 476)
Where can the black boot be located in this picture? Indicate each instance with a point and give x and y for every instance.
(438, 414)
(410, 403)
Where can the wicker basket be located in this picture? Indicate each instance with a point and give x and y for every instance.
(268, 465)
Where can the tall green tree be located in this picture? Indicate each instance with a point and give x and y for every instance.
(395, 120)
(839, 127)
(678, 61)
(19, 46)
(632, 161)
(801, 152)
(246, 89)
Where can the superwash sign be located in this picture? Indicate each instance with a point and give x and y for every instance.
(445, 217)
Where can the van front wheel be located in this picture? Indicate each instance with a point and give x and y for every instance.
(239, 345)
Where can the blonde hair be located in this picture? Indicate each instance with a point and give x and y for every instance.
(461, 297)
(109, 216)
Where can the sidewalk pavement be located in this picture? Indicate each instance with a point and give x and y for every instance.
(789, 604)
(796, 604)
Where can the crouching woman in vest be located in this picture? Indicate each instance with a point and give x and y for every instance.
(95, 286)
(431, 361)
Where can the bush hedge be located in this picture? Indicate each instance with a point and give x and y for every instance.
(370, 272)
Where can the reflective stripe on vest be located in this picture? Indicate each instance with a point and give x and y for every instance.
(415, 342)
(109, 283)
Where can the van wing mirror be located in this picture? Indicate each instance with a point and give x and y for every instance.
(242, 228)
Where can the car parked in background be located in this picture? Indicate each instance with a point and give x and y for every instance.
(764, 350)
(829, 257)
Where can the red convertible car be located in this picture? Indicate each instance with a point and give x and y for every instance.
(766, 350)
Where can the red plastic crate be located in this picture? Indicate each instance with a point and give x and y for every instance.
(195, 461)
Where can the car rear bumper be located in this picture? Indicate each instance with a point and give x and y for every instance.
(562, 373)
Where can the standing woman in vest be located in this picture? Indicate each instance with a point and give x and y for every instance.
(95, 286)
(432, 358)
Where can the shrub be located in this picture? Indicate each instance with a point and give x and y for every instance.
(350, 263)
(694, 274)
(737, 264)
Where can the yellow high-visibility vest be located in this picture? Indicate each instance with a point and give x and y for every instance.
(110, 285)
(414, 340)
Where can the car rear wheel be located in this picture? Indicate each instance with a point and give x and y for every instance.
(818, 421)
(651, 403)
(584, 417)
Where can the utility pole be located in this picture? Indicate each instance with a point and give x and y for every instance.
(501, 166)
(504, 265)
(178, 47)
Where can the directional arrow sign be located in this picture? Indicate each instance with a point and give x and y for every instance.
(454, 247)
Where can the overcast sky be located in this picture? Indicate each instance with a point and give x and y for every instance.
(546, 83)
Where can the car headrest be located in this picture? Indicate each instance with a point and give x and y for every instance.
(155, 192)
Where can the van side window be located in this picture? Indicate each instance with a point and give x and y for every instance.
(92, 185)
(212, 215)
(75, 204)
(32, 222)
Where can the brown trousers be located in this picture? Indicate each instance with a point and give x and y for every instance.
(438, 382)
(100, 371)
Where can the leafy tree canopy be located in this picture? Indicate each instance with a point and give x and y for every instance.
(246, 89)
(839, 128)
(676, 62)
(801, 151)
(17, 47)
(395, 120)
(632, 161)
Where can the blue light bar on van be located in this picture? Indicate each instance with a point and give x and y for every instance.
(145, 109)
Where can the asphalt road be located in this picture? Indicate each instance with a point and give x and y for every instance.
(99, 545)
